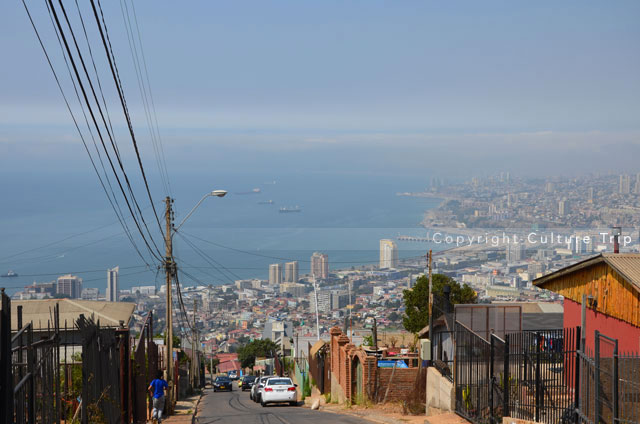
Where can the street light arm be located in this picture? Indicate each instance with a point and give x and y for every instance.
(216, 193)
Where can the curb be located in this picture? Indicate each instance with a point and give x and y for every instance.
(378, 420)
(195, 409)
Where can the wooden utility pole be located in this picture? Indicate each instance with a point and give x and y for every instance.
(169, 269)
(194, 347)
(430, 304)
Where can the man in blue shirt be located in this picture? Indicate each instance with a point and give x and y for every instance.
(156, 388)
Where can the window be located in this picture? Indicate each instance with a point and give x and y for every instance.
(279, 382)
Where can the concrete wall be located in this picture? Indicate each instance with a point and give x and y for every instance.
(440, 392)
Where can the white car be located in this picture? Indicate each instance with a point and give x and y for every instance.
(279, 390)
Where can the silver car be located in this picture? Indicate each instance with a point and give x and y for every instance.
(255, 393)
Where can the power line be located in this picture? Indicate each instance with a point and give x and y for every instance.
(116, 77)
(93, 118)
(215, 264)
(55, 75)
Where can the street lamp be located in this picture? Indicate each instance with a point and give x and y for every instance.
(170, 269)
(214, 193)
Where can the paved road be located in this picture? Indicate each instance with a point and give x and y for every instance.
(236, 408)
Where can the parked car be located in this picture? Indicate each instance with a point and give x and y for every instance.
(279, 390)
(246, 382)
(222, 383)
(257, 385)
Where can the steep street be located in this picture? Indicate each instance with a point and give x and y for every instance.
(236, 408)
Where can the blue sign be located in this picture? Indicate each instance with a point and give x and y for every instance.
(390, 363)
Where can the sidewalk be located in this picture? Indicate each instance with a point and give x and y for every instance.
(185, 411)
(387, 414)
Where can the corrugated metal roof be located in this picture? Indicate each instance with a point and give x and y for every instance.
(625, 264)
(40, 312)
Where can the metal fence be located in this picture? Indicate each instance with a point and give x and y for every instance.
(609, 383)
(540, 375)
(478, 398)
(35, 368)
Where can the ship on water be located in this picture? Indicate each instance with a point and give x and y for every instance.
(289, 210)
(9, 274)
(266, 202)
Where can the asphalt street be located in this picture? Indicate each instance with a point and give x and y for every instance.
(236, 408)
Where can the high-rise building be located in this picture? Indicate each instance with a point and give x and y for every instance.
(515, 252)
(69, 285)
(275, 274)
(563, 208)
(291, 274)
(549, 188)
(625, 184)
(324, 301)
(590, 195)
(388, 254)
(339, 299)
(320, 265)
(637, 187)
(113, 287)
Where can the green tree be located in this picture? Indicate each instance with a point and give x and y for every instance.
(416, 300)
(248, 353)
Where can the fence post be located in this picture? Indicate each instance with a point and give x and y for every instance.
(576, 369)
(31, 370)
(506, 385)
(6, 377)
(615, 382)
(597, 377)
(538, 385)
(491, 370)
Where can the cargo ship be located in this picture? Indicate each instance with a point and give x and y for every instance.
(9, 274)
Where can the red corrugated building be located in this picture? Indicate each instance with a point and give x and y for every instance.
(611, 283)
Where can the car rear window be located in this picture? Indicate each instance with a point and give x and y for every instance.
(279, 381)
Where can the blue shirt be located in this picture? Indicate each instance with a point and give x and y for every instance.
(158, 387)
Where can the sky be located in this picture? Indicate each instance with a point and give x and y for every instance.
(458, 88)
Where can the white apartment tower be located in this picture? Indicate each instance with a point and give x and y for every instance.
(275, 274)
(69, 285)
(113, 287)
(320, 265)
(291, 273)
(388, 254)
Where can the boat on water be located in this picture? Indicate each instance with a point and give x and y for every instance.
(289, 210)
(9, 274)
(254, 191)
(266, 202)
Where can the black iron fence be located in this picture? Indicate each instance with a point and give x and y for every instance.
(609, 384)
(473, 386)
(540, 375)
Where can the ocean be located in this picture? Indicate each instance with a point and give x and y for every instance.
(52, 223)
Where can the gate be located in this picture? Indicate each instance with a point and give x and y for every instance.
(35, 365)
(105, 373)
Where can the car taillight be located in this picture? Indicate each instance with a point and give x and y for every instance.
(291, 389)
(268, 389)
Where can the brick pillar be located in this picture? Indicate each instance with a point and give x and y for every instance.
(342, 360)
(348, 377)
(335, 350)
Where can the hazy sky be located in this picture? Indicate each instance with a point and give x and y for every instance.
(458, 87)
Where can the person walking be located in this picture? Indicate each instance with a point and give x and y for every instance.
(156, 388)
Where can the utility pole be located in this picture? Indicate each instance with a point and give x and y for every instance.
(194, 348)
(315, 292)
(169, 269)
(430, 304)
